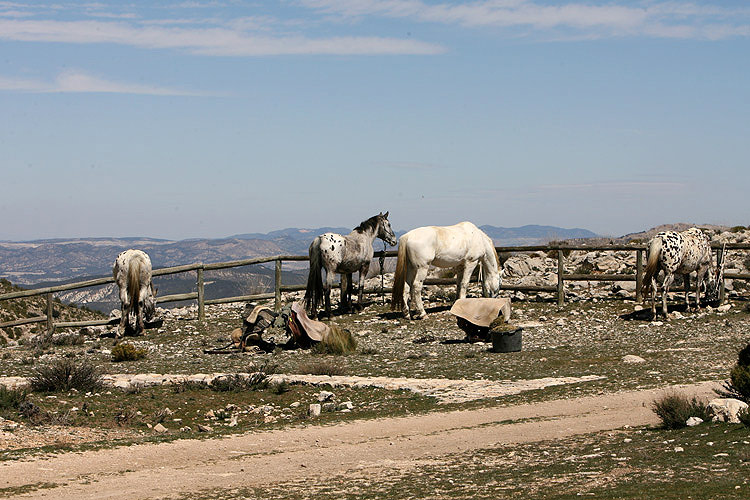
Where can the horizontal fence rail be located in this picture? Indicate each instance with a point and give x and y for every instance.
(279, 288)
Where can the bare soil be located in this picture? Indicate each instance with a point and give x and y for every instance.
(209, 467)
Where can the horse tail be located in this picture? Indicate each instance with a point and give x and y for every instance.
(314, 291)
(134, 284)
(399, 277)
(652, 265)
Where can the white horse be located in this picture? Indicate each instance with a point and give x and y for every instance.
(132, 273)
(461, 246)
(678, 253)
(344, 255)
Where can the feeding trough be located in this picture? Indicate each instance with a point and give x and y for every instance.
(487, 319)
(506, 340)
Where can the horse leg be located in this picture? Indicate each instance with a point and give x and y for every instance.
(361, 283)
(124, 312)
(463, 277)
(701, 279)
(654, 290)
(416, 292)
(345, 281)
(327, 292)
(411, 274)
(668, 278)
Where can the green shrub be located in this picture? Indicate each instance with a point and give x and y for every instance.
(10, 399)
(127, 352)
(674, 409)
(738, 385)
(64, 375)
(744, 416)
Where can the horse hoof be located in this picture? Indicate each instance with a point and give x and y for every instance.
(421, 316)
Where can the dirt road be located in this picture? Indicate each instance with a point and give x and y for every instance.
(182, 467)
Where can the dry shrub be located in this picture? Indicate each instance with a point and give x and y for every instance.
(338, 341)
(675, 409)
(127, 352)
(63, 375)
(238, 383)
(320, 367)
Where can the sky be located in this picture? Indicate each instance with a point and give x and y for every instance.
(207, 119)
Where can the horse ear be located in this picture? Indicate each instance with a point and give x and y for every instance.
(385, 216)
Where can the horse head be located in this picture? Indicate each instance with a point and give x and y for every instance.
(491, 276)
(149, 302)
(385, 232)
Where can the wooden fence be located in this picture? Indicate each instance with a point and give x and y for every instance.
(200, 268)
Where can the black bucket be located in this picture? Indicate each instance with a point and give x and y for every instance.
(506, 341)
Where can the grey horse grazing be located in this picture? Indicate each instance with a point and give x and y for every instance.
(132, 273)
(344, 255)
(678, 253)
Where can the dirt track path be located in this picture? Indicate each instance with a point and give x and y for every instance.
(168, 469)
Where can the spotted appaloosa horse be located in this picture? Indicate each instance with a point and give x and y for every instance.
(461, 246)
(132, 272)
(344, 255)
(678, 253)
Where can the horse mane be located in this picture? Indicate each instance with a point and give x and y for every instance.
(369, 225)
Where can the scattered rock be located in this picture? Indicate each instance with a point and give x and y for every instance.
(724, 308)
(679, 449)
(160, 428)
(726, 410)
(632, 358)
(205, 428)
(325, 396)
(693, 421)
(314, 410)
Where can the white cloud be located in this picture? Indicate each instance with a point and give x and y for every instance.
(218, 41)
(669, 19)
(79, 82)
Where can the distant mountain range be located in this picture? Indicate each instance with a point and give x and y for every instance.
(57, 260)
(34, 264)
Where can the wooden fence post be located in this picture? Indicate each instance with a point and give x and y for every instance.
(201, 297)
(50, 315)
(277, 287)
(560, 281)
(638, 276)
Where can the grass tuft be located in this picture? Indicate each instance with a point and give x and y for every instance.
(321, 367)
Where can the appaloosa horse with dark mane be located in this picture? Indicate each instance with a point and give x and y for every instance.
(132, 272)
(679, 253)
(344, 255)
